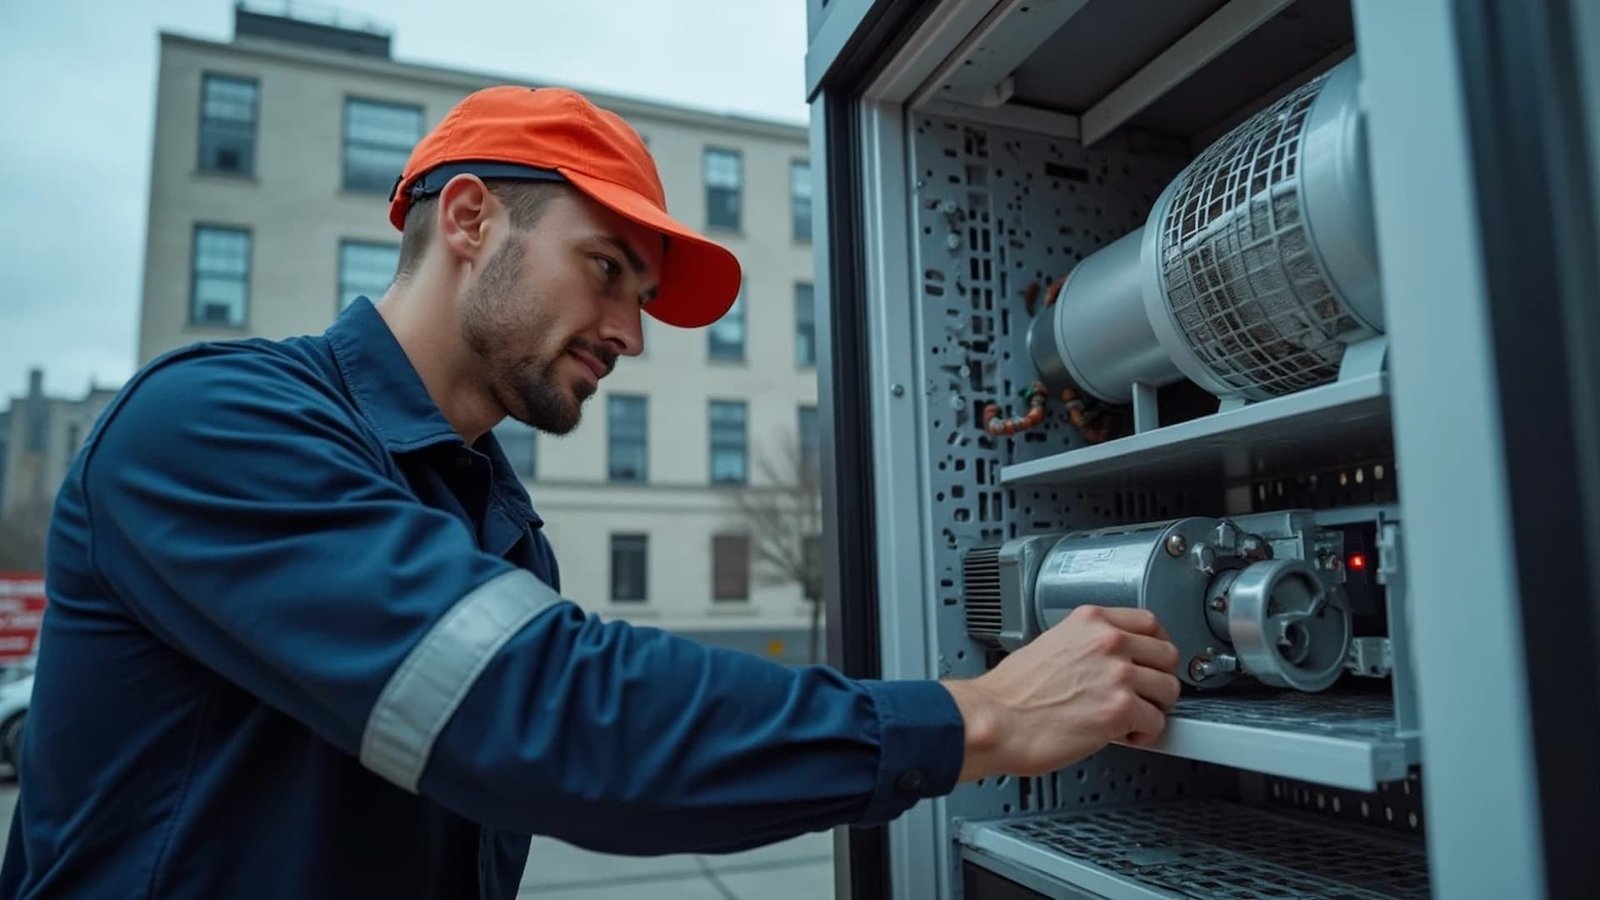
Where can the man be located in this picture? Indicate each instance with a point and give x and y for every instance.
(305, 637)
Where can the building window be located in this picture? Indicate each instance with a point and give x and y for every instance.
(730, 567)
(378, 138)
(726, 335)
(724, 188)
(630, 566)
(800, 199)
(729, 456)
(74, 438)
(810, 441)
(228, 125)
(811, 558)
(805, 325)
(220, 283)
(629, 424)
(365, 270)
(520, 444)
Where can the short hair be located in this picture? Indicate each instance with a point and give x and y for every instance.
(524, 200)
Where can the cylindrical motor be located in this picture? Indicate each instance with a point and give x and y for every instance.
(1227, 604)
(1255, 269)
(1096, 336)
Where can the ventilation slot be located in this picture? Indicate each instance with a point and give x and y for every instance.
(980, 582)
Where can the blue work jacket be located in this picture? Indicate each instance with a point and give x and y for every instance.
(303, 641)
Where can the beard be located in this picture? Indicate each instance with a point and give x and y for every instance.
(500, 319)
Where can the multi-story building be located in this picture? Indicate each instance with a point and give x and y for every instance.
(274, 157)
(39, 436)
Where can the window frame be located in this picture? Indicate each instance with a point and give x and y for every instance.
(742, 308)
(796, 234)
(500, 431)
(206, 77)
(709, 151)
(339, 304)
(643, 540)
(799, 361)
(191, 321)
(744, 442)
(815, 457)
(344, 141)
(611, 440)
(717, 540)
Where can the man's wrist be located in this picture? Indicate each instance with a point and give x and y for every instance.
(980, 715)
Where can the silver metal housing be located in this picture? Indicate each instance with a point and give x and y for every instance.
(1256, 268)
(1236, 254)
(1258, 595)
(1097, 336)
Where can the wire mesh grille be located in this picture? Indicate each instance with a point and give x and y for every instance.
(1355, 717)
(1241, 277)
(1215, 850)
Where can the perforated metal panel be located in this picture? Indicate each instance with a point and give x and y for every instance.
(1212, 850)
(997, 210)
(1242, 280)
(1395, 805)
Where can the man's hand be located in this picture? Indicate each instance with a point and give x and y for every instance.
(1101, 675)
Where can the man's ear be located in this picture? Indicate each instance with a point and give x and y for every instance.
(466, 214)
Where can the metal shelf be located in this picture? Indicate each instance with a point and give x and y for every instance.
(1336, 740)
(1207, 849)
(1342, 423)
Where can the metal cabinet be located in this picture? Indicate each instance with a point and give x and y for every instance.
(1272, 315)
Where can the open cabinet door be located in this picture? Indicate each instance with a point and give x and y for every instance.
(1530, 88)
(850, 39)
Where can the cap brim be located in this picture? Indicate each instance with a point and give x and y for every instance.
(699, 279)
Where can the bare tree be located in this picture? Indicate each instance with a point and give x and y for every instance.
(22, 537)
(782, 512)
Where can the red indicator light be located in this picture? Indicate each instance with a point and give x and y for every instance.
(1357, 562)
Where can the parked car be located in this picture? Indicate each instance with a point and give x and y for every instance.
(14, 698)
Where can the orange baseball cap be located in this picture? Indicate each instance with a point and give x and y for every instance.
(558, 134)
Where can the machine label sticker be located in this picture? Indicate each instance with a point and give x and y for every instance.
(1075, 561)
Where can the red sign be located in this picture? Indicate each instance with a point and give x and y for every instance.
(22, 601)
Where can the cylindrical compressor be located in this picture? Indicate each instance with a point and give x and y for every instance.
(1228, 601)
(1255, 269)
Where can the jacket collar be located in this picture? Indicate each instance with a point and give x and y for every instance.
(383, 384)
(390, 394)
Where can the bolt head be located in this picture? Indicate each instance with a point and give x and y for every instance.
(1177, 545)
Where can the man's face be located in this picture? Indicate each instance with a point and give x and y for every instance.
(556, 305)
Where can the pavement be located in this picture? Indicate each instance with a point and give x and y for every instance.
(798, 869)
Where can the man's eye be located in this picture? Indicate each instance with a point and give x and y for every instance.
(608, 267)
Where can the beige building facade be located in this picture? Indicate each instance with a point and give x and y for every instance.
(274, 157)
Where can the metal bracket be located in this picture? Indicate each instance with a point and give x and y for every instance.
(1370, 657)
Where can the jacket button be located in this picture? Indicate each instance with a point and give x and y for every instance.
(911, 781)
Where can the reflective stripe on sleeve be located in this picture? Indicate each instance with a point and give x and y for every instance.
(424, 692)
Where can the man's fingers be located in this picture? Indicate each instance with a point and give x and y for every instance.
(1148, 724)
(1157, 653)
(1158, 688)
(1138, 621)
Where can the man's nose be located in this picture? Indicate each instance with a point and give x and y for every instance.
(623, 330)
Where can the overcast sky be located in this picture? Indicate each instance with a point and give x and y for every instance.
(77, 99)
